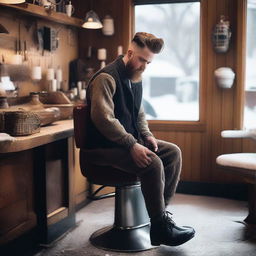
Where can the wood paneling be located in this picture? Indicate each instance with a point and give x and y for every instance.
(67, 50)
(53, 182)
(17, 195)
(121, 12)
(56, 176)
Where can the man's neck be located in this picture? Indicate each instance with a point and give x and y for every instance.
(125, 59)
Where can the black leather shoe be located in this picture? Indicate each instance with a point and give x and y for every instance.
(164, 231)
(177, 227)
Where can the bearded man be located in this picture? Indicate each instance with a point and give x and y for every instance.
(121, 138)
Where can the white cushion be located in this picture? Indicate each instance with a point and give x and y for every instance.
(239, 134)
(238, 160)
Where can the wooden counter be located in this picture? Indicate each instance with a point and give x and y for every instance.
(56, 131)
(37, 184)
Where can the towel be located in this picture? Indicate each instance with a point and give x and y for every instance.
(4, 137)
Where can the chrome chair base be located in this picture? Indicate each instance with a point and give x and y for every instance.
(123, 240)
(131, 228)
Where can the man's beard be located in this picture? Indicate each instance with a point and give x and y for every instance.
(135, 75)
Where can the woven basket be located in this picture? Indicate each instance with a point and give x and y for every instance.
(21, 123)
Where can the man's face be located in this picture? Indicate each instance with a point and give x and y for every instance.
(137, 63)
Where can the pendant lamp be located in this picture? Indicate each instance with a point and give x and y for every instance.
(12, 1)
(92, 21)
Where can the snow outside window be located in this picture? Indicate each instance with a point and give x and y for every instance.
(171, 81)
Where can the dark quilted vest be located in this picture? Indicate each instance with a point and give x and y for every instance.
(127, 102)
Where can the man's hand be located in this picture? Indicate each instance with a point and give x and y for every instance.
(141, 155)
(151, 143)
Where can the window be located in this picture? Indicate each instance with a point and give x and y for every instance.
(171, 81)
(250, 74)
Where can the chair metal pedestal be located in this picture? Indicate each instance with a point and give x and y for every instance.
(130, 231)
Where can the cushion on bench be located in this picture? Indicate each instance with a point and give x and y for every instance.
(238, 160)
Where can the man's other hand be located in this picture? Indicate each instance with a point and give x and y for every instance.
(151, 143)
(141, 155)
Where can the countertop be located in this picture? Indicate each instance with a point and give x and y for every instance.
(56, 131)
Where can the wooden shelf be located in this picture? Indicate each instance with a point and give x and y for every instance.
(41, 12)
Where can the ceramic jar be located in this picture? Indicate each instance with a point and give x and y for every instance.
(224, 77)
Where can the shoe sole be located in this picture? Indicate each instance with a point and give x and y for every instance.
(156, 243)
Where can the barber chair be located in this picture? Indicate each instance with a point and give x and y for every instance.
(130, 231)
(244, 165)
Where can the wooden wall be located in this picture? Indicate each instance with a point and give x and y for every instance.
(220, 109)
(67, 50)
(120, 12)
(17, 195)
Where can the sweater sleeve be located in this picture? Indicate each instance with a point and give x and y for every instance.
(143, 124)
(102, 111)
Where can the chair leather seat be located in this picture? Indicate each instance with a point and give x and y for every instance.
(105, 175)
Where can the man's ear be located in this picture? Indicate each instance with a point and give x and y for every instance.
(129, 53)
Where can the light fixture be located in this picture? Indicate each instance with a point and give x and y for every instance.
(12, 1)
(92, 21)
(3, 29)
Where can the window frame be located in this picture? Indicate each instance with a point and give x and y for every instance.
(240, 64)
(174, 125)
(242, 59)
(143, 2)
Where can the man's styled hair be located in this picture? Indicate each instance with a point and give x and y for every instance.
(153, 43)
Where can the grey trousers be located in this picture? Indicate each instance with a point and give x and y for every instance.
(158, 180)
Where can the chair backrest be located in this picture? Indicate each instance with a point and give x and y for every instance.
(102, 175)
(82, 121)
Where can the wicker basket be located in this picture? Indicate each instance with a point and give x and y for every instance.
(21, 123)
